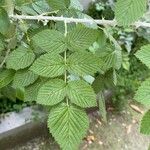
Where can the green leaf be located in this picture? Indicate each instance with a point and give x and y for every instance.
(83, 63)
(144, 55)
(58, 4)
(24, 78)
(129, 11)
(6, 76)
(20, 58)
(68, 125)
(81, 38)
(9, 92)
(143, 93)
(31, 91)
(50, 41)
(145, 124)
(4, 21)
(52, 92)
(81, 94)
(1, 45)
(49, 65)
(102, 107)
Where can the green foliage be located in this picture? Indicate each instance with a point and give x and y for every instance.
(145, 124)
(20, 58)
(129, 11)
(81, 94)
(68, 124)
(57, 4)
(81, 38)
(42, 60)
(49, 65)
(6, 76)
(24, 78)
(142, 94)
(4, 21)
(83, 63)
(50, 41)
(144, 54)
(52, 92)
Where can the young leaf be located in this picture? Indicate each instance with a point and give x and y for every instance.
(144, 55)
(81, 38)
(143, 93)
(4, 21)
(145, 124)
(83, 63)
(81, 94)
(50, 41)
(24, 78)
(6, 76)
(31, 91)
(20, 58)
(49, 65)
(68, 125)
(129, 11)
(52, 92)
(58, 4)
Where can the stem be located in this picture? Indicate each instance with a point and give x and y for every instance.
(4, 60)
(65, 59)
(76, 20)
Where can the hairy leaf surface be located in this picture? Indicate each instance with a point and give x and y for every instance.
(143, 93)
(144, 55)
(81, 38)
(49, 65)
(31, 91)
(83, 63)
(20, 58)
(24, 78)
(129, 11)
(6, 76)
(145, 124)
(51, 41)
(68, 125)
(58, 4)
(52, 92)
(81, 94)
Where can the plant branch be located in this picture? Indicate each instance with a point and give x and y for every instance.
(4, 60)
(76, 20)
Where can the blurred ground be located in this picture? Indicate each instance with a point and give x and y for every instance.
(120, 133)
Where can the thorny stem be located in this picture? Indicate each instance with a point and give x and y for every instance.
(65, 59)
(76, 20)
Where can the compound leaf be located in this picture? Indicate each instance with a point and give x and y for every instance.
(20, 58)
(52, 92)
(129, 11)
(49, 65)
(145, 124)
(81, 94)
(68, 125)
